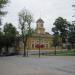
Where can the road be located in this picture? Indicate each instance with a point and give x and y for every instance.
(45, 65)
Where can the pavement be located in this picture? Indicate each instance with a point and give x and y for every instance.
(33, 65)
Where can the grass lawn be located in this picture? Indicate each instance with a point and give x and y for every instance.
(64, 53)
(58, 53)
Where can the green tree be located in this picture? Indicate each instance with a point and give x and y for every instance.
(1, 43)
(62, 26)
(72, 35)
(2, 5)
(25, 19)
(9, 36)
(56, 38)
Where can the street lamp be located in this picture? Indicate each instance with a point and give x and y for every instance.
(39, 46)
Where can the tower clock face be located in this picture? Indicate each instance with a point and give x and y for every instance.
(40, 28)
(40, 25)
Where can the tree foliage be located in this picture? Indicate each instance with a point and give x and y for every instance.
(9, 36)
(61, 26)
(71, 38)
(25, 19)
(56, 38)
(9, 30)
(2, 5)
(1, 44)
(66, 31)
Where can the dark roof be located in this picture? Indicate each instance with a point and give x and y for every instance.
(41, 35)
(39, 20)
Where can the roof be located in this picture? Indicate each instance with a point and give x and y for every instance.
(41, 35)
(39, 20)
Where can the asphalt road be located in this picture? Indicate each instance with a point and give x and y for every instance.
(45, 65)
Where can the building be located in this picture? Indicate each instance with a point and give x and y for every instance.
(40, 37)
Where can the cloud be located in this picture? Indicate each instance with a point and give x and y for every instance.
(49, 10)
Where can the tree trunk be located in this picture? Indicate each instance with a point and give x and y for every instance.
(0, 50)
(55, 50)
(25, 44)
(7, 51)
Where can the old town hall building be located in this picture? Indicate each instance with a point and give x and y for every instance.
(39, 37)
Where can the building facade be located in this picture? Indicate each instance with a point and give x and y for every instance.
(40, 37)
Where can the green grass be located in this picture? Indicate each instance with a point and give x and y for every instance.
(58, 53)
(63, 53)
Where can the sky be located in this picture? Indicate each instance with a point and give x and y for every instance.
(48, 10)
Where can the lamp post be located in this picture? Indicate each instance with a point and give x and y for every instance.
(39, 46)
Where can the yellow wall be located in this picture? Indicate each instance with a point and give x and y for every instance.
(45, 40)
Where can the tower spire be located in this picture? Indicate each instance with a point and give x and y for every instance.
(39, 26)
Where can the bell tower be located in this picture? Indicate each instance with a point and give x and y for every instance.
(39, 26)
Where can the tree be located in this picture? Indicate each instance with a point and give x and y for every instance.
(25, 19)
(9, 36)
(72, 35)
(56, 38)
(62, 26)
(2, 5)
(1, 43)
(2, 13)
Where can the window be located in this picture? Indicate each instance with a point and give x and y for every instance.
(33, 46)
(37, 42)
(46, 45)
(33, 41)
(41, 25)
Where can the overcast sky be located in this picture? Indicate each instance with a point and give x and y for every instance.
(48, 10)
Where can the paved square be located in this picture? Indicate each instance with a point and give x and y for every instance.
(45, 65)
